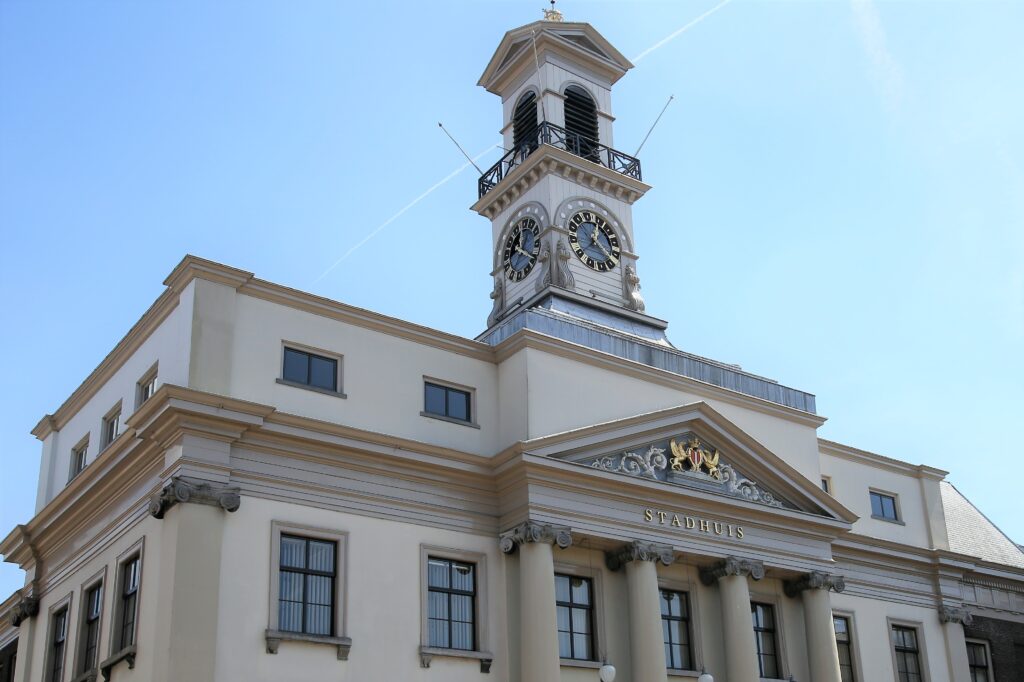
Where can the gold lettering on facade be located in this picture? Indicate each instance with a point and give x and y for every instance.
(739, 532)
(703, 526)
(690, 523)
(718, 528)
(694, 523)
(676, 522)
(648, 515)
(662, 516)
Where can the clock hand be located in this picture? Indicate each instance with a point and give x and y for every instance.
(520, 250)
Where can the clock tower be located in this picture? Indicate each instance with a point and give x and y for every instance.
(560, 199)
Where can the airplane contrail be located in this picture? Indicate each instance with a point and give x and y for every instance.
(405, 208)
(677, 33)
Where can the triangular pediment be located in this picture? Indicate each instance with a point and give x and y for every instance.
(693, 447)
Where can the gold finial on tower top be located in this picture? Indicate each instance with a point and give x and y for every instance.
(552, 14)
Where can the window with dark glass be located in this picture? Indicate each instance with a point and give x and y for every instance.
(581, 122)
(78, 459)
(57, 641)
(89, 640)
(128, 601)
(445, 401)
(307, 577)
(524, 123)
(883, 506)
(111, 427)
(8, 660)
(574, 601)
(977, 660)
(308, 369)
(675, 627)
(451, 604)
(908, 655)
(826, 484)
(764, 637)
(147, 387)
(844, 646)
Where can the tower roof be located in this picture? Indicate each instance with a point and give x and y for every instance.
(578, 41)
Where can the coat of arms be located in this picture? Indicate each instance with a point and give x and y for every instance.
(693, 456)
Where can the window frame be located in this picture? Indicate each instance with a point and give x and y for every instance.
(482, 650)
(776, 637)
(898, 519)
(688, 624)
(147, 379)
(922, 653)
(305, 573)
(62, 606)
(99, 580)
(274, 634)
(692, 587)
(113, 415)
(450, 386)
(137, 550)
(851, 629)
(826, 484)
(599, 634)
(339, 368)
(990, 671)
(81, 449)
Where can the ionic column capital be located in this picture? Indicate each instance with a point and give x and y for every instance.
(181, 490)
(25, 608)
(815, 580)
(639, 551)
(531, 531)
(955, 614)
(709, 575)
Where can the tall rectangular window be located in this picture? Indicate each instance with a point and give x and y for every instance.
(977, 660)
(763, 616)
(58, 638)
(310, 369)
(675, 627)
(908, 655)
(128, 602)
(78, 458)
(451, 604)
(883, 506)
(444, 401)
(89, 639)
(845, 647)
(111, 426)
(306, 592)
(574, 600)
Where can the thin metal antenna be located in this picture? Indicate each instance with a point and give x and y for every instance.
(441, 126)
(536, 61)
(644, 141)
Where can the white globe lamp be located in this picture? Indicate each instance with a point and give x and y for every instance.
(705, 676)
(607, 673)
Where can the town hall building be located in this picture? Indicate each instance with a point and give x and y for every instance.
(258, 483)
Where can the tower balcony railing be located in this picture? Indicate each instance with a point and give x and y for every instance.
(548, 133)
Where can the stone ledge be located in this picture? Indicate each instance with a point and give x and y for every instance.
(427, 653)
(126, 654)
(275, 637)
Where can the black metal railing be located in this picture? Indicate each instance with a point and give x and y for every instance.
(548, 133)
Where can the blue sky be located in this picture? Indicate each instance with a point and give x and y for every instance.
(838, 195)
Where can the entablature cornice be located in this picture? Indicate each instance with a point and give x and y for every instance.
(828, 447)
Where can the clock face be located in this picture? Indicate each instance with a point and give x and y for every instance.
(593, 241)
(521, 249)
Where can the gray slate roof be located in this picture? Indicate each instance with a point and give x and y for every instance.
(971, 533)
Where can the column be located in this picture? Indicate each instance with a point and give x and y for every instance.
(953, 621)
(646, 639)
(737, 625)
(538, 622)
(822, 652)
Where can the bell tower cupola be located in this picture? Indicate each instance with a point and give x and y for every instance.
(560, 198)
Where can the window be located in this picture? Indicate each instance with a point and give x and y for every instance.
(883, 506)
(89, 639)
(977, 660)
(843, 644)
(524, 124)
(306, 594)
(581, 123)
(908, 661)
(146, 386)
(826, 484)
(675, 626)
(447, 402)
(128, 602)
(78, 458)
(764, 636)
(8, 661)
(58, 638)
(451, 604)
(575, 604)
(112, 426)
(309, 369)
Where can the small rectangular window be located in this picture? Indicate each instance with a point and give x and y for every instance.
(451, 604)
(883, 506)
(306, 594)
(908, 660)
(309, 369)
(444, 401)
(111, 426)
(675, 627)
(128, 603)
(59, 634)
(844, 644)
(826, 484)
(764, 637)
(146, 386)
(574, 602)
(78, 458)
(977, 660)
(89, 639)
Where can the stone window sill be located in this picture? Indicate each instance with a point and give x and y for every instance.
(575, 663)
(126, 654)
(450, 420)
(87, 676)
(275, 637)
(887, 520)
(427, 653)
(315, 389)
(685, 674)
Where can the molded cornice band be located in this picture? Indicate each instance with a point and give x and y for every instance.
(955, 614)
(815, 580)
(181, 490)
(531, 531)
(732, 566)
(639, 551)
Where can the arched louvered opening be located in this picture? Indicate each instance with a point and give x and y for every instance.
(581, 122)
(524, 123)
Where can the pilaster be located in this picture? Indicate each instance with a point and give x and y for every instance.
(953, 619)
